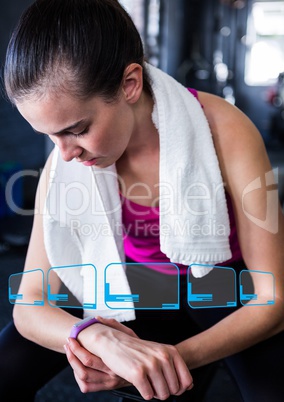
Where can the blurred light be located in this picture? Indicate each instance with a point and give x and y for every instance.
(221, 72)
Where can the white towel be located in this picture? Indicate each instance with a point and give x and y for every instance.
(194, 220)
(82, 210)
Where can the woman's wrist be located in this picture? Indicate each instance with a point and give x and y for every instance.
(91, 337)
(190, 352)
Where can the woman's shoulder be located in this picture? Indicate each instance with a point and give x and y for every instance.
(238, 143)
(229, 125)
(219, 111)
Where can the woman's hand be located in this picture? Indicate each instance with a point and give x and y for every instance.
(156, 370)
(90, 372)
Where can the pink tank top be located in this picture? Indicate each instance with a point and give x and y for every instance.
(142, 234)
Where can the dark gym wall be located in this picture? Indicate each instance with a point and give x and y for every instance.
(193, 33)
(18, 142)
(20, 147)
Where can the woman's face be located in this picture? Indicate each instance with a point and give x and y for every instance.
(91, 131)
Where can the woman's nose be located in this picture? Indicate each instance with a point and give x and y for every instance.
(68, 150)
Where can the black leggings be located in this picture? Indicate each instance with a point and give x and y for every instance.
(25, 367)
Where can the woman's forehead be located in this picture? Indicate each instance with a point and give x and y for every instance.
(55, 112)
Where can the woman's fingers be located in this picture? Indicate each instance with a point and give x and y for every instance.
(86, 358)
(184, 377)
(171, 376)
(157, 370)
(92, 379)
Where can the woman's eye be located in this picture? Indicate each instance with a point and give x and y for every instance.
(85, 131)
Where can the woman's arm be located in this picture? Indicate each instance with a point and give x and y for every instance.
(44, 325)
(243, 159)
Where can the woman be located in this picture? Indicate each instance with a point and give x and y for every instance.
(75, 70)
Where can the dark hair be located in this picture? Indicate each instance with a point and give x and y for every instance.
(81, 46)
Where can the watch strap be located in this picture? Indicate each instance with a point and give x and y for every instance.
(80, 325)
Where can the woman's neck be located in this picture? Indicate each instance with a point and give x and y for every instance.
(145, 134)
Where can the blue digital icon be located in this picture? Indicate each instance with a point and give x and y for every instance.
(146, 286)
(151, 286)
(216, 289)
(85, 277)
(248, 295)
(35, 276)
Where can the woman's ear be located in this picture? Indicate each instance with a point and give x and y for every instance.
(132, 82)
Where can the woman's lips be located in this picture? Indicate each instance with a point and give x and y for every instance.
(91, 162)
